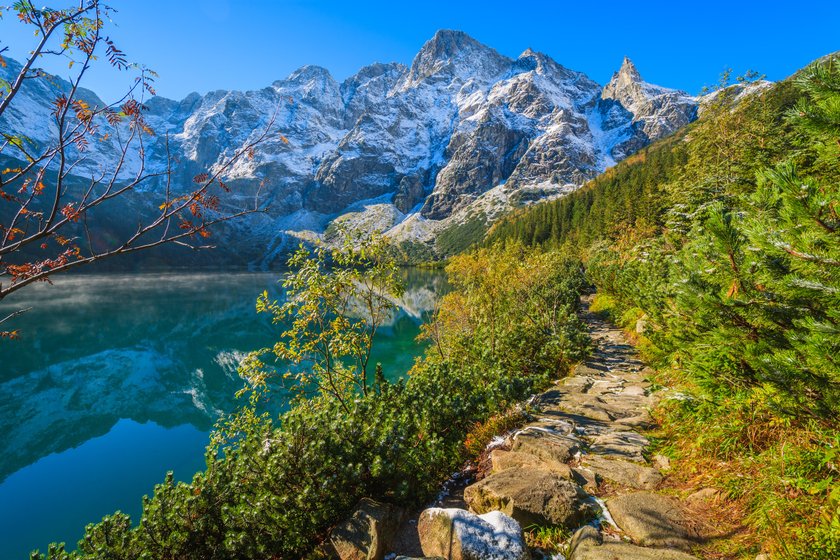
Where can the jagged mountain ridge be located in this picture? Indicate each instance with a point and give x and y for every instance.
(462, 134)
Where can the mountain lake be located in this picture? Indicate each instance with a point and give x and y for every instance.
(118, 378)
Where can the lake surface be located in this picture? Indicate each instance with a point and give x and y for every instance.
(117, 379)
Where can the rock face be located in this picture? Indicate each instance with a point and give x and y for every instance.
(368, 532)
(462, 134)
(656, 111)
(456, 534)
(532, 496)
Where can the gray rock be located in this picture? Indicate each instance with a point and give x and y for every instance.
(620, 445)
(623, 472)
(368, 532)
(661, 462)
(588, 544)
(551, 448)
(586, 479)
(703, 495)
(532, 496)
(456, 534)
(503, 460)
(652, 519)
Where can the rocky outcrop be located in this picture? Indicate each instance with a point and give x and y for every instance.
(456, 534)
(656, 111)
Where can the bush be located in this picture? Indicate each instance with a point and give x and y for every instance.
(273, 488)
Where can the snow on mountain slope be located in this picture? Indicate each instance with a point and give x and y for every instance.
(463, 134)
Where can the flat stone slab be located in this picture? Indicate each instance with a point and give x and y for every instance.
(584, 426)
(556, 426)
(620, 445)
(643, 421)
(651, 519)
(590, 368)
(589, 544)
(635, 390)
(622, 472)
(532, 496)
(502, 460)
(546, 445)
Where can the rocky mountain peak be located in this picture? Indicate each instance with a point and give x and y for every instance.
(532, 60)
(655, 111)
(309, 73)
(626, 85)
(628, 71)
(455, 52)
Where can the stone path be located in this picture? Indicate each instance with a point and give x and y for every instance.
(581, 465)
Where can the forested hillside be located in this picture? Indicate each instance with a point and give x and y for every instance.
(720, 248)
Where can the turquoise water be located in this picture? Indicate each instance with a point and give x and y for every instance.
(117, 379)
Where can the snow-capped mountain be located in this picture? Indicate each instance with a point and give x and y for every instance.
(457, 138)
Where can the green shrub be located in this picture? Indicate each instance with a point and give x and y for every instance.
(274, 487)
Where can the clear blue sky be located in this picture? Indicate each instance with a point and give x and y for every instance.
(233, 44)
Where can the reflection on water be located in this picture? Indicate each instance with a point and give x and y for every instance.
(117, 379)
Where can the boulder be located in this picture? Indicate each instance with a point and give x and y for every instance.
(532, 496)
(367, 533)
(652, 519)
(502, 460)
(456, 534)
(588, 544)
(623, 472)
